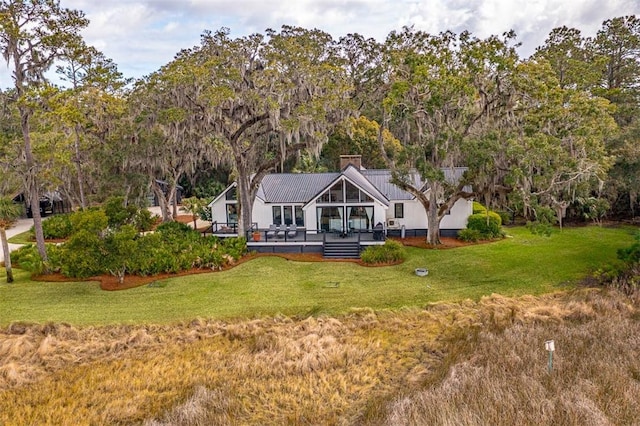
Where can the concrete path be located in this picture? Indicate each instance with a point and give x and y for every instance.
(21, 226)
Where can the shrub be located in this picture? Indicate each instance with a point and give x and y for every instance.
(478, 208)
(117, 213)
(83, 255)
(469, 235)
(234, 247)
(487, 224)
(545, 219)
(92, 220)
(391, 251)
(143, 220)
(121, 248)
(28, 258)
(58, 226)
(175, 229)
(505, 217)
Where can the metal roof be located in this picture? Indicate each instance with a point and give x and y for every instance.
(381, 179)
(301, 188)
(293, 187)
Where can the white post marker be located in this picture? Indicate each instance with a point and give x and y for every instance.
(549, 345)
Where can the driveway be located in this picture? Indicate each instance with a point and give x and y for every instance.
(21, 226)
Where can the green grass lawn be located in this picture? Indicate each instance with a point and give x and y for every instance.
(25, 237)
(520, 264)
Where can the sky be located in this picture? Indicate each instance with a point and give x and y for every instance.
(142, 35)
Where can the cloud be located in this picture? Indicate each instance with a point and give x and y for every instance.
(142, 35)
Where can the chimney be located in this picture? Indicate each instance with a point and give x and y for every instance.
(355, 160)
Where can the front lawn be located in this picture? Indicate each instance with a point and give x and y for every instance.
(520, 264)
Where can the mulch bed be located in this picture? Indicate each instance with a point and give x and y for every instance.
(110, 283)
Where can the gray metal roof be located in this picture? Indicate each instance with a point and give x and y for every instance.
(381, 179)
(303, 187)
(293, 187)
(356, 176)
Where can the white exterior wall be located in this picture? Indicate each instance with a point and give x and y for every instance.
(460, 212)
(415, 217)
(219, 211)
(310, 216)
(261, 214)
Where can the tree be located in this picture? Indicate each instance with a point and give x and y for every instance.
(572, 59)
(196, 206)
(618, 45)
(257, 100)
(84, 111)
(359, 136)
(33, 34)
(444, 93)
(9, 213)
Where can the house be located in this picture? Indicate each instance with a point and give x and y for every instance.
(307, 211)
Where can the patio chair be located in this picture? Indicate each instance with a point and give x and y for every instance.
(273, 230)
(292, 231)
(281, 231)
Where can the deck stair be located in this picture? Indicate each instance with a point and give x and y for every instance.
(341, 250)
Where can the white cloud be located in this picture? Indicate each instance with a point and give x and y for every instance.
(142, 35)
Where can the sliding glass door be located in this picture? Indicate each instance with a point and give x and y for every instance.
(330, 218)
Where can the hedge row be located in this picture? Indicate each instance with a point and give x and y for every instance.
(97, 245)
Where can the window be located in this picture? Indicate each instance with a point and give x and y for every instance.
(232, 213)
(277, 215)
(284, 215)
(299, 216)
(288, 215)
(336, 193)
(398, 209)
(341, 191)
(231, 194)
(353, 194)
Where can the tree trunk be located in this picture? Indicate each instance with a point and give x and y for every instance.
(433, 230)
(7, 255)
(32, 185)
(162, 200)
(79, 173)
(175, 200)
(245, 204)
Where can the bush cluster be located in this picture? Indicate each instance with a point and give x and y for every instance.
(109, 241)
(487, 225)
(391, 251)
(57, 227)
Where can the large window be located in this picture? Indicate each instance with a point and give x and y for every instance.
(286, 215)
(341, 191)
(360, 217)
(330, 218)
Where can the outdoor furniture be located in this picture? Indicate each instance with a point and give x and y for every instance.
(292, 231)
(281, 232)
(273, 229)
(378, 232)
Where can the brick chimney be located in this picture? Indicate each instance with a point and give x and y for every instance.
(356, 160)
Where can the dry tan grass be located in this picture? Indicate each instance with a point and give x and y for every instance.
(466, 363)
(502, 377)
